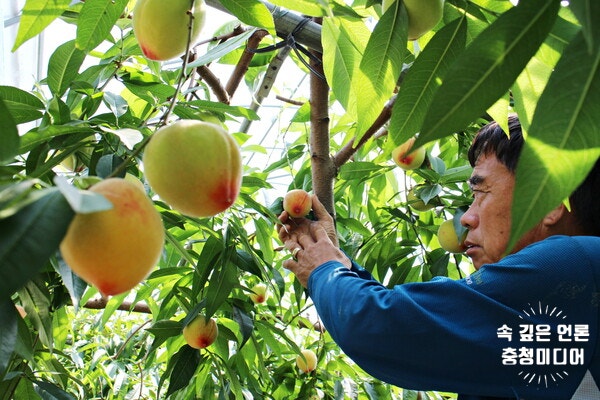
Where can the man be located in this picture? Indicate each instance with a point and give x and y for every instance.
(523, 326)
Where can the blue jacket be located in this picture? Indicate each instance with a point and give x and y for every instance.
(524, 328)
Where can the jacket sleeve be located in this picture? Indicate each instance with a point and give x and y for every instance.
(438, 335)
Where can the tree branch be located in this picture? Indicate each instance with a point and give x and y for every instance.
(351, 148)
(244, 62)
(100, 304)
(214, 83)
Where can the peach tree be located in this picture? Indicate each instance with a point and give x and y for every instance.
(365, 88)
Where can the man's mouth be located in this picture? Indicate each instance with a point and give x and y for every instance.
(470, 248)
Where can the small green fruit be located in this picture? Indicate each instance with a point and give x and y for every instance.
(423, 15)
(449, 239)
(416, 203)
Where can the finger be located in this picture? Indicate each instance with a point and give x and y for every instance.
(306, 239)
(290, 265)
(319, 233)
(319, 209)
(284, 232)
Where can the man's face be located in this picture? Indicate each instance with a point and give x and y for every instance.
(488, 218)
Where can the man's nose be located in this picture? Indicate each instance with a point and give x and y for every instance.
(469, 219)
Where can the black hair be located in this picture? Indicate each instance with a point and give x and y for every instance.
(492, 140)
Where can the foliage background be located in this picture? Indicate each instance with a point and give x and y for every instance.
(88, 118)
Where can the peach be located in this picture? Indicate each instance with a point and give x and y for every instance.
(116, 249)
(417, 204)
(306, 361)
(449, 239)
(259, 293)
(297, 203)
(201, 332)
(423, 15)
(194, 166)
(408, 158)
(162, 27)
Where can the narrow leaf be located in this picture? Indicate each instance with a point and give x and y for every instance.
(82, 201)
(531, 82)
(251, 12)
(488, 67)
(96, 19)
(344, 42)
(9, 135)
(187, 361)
(29, 238)
(588, 14)
(423, 79)
(49, 391)
(381, 65)
(221, 49)
(563, 141)
(8, 333)
(306, 7)
(36, 16)
(222, 282)
(63, 67)
(23, 106)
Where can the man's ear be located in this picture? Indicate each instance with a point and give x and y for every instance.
(555, 215)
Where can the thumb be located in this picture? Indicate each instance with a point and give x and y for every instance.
(319, 209)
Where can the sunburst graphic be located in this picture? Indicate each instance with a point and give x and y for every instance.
(543, 310)
(546, 379)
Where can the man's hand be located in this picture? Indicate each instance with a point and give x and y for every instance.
(322, 217)
(310, 242)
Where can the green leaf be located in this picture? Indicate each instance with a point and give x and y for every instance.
(423, 79)
(186, 361)
(563, 141)
(221, 49)
(381, 65)
(306, 7)
(35, 297)
(63, 67)
(9, 135)
(236, 111)
(49, 391)
(488, 67)
(251, 12)
(23, 106)
(29, 238)
(221, 283)
(531, 82)
(96, 19)
(344, 42)
(36, 16)
(588, 14)
(245, 322)
(163, 330)
(82, 201)
(74, 284)
(8, 333)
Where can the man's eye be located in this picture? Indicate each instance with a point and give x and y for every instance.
(476, 193)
